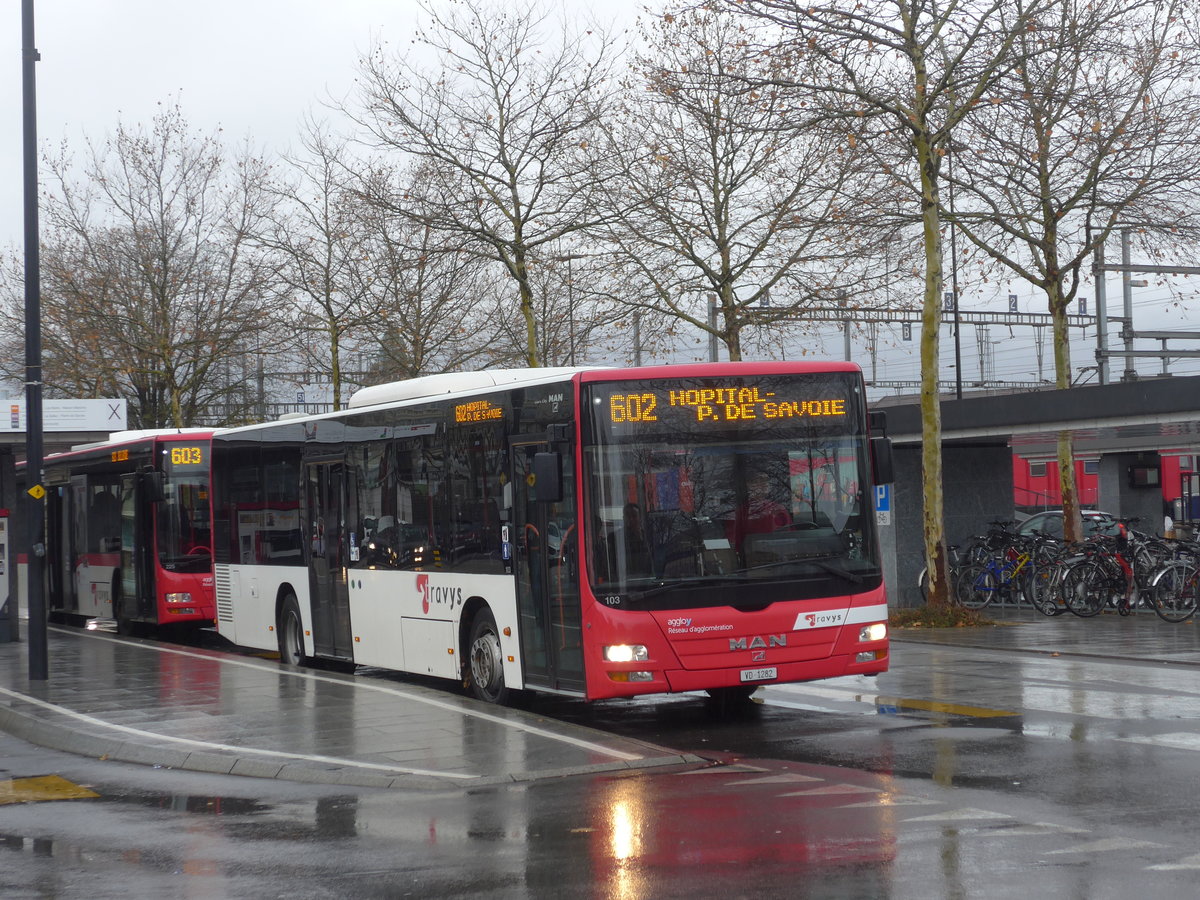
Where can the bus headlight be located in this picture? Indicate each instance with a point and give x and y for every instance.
(876, 632)
(623, 653)
(181, 597)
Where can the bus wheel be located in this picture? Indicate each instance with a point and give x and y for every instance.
(487, 661)
(290, 631)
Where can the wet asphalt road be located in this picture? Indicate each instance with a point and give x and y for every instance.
(960, 773)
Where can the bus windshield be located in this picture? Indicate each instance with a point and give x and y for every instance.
(184, 532)
(688, 511)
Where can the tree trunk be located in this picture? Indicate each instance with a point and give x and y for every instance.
(1072, 523)
(931, 409)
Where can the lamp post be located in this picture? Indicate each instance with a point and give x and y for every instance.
(954, 270)
(568, 258)
(34, 508)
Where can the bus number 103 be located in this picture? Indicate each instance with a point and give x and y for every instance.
(633, 407)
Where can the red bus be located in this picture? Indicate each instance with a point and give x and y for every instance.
(128, 530)
(589, 532)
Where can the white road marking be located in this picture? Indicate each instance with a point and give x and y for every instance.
(362, 684)
(1108, 845)
(1188, 862)
(1179, 740)
(210, 745)
(789, 778)
(898, 800)
(967, 814)
(834, 789)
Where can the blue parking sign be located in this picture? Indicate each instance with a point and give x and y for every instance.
(883, 504)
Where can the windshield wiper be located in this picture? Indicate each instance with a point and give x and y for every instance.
(699, 581)
(824, 562)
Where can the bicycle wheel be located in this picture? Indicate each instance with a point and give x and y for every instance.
(976, 587)
(1174, 591)
(1085, 588)
(1040, 590)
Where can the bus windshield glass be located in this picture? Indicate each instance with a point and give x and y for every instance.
(183, 522)
(703, 493)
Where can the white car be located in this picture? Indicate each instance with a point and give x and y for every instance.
(1051, 522)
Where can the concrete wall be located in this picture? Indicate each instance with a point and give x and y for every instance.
(1118, 497)
(977, 489)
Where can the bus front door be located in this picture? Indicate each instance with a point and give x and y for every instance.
(547, 574)
(135, 601)
(328, 560)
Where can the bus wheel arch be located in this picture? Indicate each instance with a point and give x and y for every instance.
(483, 666)
(289, 627)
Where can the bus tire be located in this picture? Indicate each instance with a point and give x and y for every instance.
(290, 632)
(486, 659)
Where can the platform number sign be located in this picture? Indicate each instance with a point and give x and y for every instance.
(1012, 303)
(883, 504)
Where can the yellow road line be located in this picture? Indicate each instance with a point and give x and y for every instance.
(41, 790)
(954, 709)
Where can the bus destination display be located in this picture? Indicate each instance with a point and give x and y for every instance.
(185, 457)
(696, 406)
(719, 405)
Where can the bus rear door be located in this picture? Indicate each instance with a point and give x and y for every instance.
(136, 601)
(329, 557)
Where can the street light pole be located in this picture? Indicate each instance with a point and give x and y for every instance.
(954, 276)
(571, 309)
(34, 508)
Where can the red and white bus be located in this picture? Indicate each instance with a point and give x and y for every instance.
(590, 532)
(128, 530)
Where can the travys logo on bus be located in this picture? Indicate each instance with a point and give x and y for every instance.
(436, 595)
(824, 619)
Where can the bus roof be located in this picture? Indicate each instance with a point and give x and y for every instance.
(129, 437)
(452, 383)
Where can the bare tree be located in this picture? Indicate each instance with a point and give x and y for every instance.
(906, 73)
(503, 130)
(1097, 128)
(716, 193)
(315, 235)
(434, 300)
(149, 287)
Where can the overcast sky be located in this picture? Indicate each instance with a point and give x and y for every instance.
(254, 67)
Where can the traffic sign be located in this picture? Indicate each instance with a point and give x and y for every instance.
(37, 492)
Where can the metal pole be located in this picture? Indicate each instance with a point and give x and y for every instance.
(34, 507)
(1127, 296)
(637, 338)
(1101, 318)
(571, 308)
(713, 352)
(954, 278)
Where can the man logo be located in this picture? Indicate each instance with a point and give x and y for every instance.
(758, 641)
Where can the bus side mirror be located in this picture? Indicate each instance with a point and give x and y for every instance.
(547, 477)
(154, 485)
(882, 466)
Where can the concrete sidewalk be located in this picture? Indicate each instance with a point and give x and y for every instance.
(210, 711)
(1141, 637)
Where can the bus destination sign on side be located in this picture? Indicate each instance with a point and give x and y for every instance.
(720, 404)
(478, 411)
